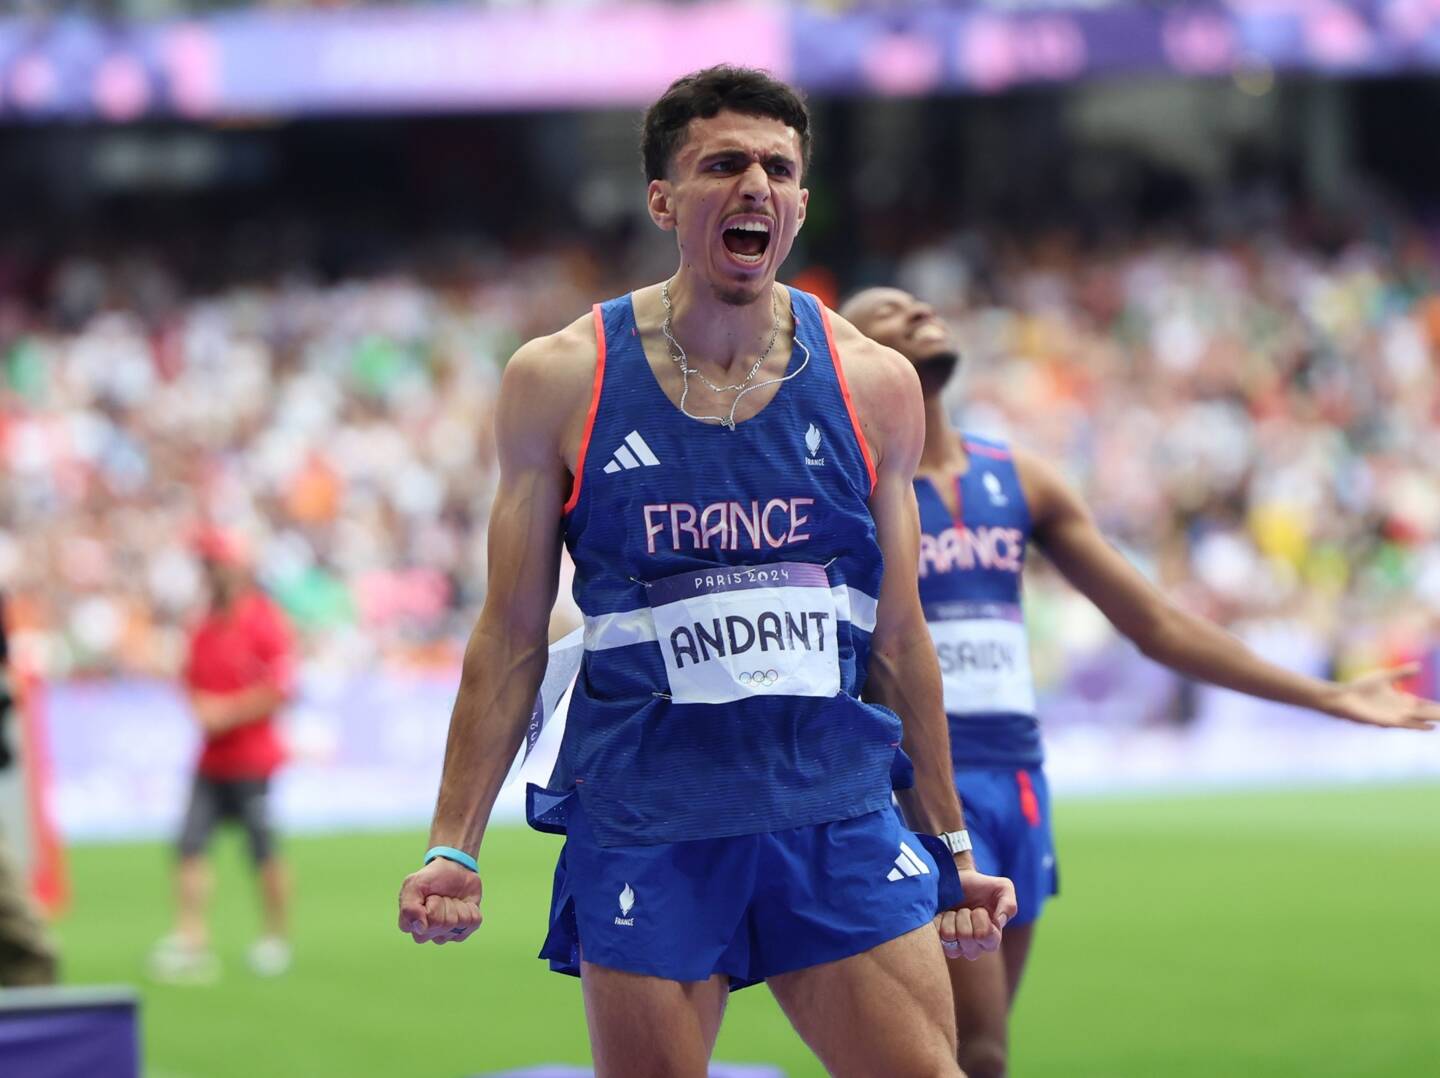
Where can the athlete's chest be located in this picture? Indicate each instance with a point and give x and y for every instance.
(980, 530)
(781, 481)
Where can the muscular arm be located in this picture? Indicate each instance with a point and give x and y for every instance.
(904, 674)
(506, 653)
(543, 399)
(1174, 637)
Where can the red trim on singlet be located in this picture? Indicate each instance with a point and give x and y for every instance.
(983, 450)
(845, 393)
(594, 407)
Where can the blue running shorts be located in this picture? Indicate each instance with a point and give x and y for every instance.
(749, 907)
(1007, 812)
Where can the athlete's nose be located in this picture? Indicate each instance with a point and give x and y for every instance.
(920, 312)
(755, 184)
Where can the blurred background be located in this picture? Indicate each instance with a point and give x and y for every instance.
(261, 264)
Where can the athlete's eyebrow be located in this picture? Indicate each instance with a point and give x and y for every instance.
(737, 153)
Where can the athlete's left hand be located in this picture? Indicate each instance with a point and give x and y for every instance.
(974, 927)
(1375, 700)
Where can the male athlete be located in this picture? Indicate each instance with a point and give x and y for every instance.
(981, 504)
(729, 466)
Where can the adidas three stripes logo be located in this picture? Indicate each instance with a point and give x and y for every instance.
(633, 453)
(907, 864)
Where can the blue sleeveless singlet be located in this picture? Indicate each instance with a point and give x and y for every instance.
(728, 581)
(970, 585)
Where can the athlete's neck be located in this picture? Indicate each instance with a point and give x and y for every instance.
(724, 335)
(944, 452)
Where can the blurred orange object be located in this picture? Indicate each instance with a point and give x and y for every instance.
(48, 879)
(1430, 318)
(314, 493)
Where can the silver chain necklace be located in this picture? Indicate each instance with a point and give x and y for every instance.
(677, 353)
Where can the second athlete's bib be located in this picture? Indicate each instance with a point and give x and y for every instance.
(731, 633)
(984, 657)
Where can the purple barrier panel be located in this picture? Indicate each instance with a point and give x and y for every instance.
(405, 58)
(73, 66)
(436, 58)
(64, 1032)
(365, 751)
(923, 50)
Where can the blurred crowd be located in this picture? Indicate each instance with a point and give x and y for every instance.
(1256, 423)
(343, 431)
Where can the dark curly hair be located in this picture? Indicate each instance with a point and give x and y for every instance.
(703, 94)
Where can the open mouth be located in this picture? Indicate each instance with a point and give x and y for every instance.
(929, 330)
(747, 240)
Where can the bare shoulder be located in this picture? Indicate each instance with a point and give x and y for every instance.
(558, 365)
(884, 390)
(546, 388)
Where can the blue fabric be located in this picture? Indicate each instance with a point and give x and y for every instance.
(646, 769)
(994, 511)
(1008, 842)
(749, 907)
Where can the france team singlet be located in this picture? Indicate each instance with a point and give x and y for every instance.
(970, 584)
(728, 581)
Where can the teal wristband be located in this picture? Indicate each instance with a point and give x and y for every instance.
(450, 853)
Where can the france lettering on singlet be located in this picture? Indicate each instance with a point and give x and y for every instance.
(728, 581)
(970, 585)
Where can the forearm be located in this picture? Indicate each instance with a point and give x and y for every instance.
(906, 679)
(218, 713)
(502, 673)
(252, 704)
(1202, 650)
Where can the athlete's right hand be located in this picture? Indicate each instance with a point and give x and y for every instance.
(973, 927)
(440, 903)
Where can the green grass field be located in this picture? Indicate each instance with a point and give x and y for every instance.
(1291, 933)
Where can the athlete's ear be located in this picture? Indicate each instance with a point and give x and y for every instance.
(659, 202)
(804, 202)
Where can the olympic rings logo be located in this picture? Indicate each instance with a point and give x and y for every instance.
(765, 678)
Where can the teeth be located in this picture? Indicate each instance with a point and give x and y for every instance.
(751, 226)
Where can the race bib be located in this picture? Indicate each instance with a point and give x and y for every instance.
(984, 658)
(733, 633)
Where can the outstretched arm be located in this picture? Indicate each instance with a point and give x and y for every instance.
(506, 654)
(1174, 637)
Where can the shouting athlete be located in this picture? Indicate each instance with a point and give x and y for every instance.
(729, 466)
(981, 505)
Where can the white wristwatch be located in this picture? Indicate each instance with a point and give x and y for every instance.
(956, 841)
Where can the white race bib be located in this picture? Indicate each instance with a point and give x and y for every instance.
(733, 633)
(984, 658)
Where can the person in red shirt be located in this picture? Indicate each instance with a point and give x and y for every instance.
(238, 673)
